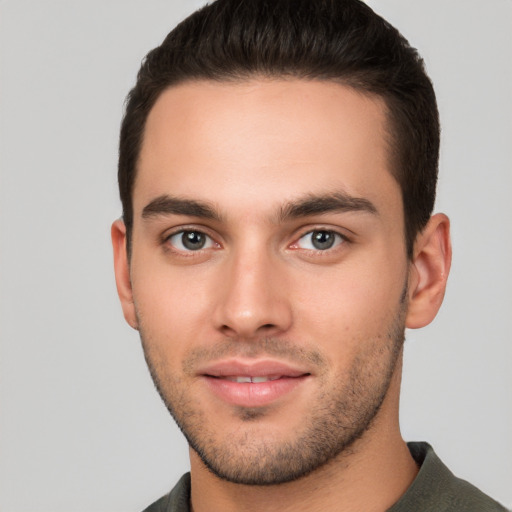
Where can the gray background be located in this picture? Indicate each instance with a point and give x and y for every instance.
(81, 428)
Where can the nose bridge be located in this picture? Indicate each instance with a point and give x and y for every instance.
(253, 300)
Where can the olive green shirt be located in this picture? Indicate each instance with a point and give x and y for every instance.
(435, 489)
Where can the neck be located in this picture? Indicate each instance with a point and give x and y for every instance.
(379, 460)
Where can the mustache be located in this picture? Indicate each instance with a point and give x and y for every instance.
(252, 349)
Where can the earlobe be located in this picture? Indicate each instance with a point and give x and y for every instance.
(122, 272)
(429, 271)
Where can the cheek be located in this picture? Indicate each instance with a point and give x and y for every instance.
(352, 303)
(171, 305)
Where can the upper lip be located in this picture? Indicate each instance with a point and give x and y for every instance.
(261, 368)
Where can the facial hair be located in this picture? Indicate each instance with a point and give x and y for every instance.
(342, 413)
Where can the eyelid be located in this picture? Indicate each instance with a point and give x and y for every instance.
(167, 235)
(336, 231)
(179, 230)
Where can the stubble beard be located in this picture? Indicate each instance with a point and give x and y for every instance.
(340, 416)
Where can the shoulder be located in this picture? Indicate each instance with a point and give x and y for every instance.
(176, 501)
(437, 489)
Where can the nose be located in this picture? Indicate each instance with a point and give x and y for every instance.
(252, 298)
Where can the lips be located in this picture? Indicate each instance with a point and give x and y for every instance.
(245, 378)
(252, 384)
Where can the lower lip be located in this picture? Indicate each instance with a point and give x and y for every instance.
(253, 394)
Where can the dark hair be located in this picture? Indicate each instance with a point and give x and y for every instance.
(336, 40)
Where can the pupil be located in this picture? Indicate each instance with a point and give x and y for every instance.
(323, 239)
(193, 240)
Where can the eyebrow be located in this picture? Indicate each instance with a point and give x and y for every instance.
(169, 205)
(311, 204)
(314, 204)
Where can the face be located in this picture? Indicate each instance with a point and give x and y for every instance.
(268, 270)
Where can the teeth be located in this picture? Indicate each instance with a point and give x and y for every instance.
(260, 379)
(263, 379)
(243, 378)
(240, 379)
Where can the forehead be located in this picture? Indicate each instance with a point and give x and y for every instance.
(264, 141)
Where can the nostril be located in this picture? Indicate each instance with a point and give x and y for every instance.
(263, 329)
(227, 331)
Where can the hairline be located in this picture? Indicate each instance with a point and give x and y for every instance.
(389, 130)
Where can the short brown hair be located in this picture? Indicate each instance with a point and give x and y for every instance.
(336, 40)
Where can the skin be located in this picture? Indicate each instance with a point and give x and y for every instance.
(238, 162)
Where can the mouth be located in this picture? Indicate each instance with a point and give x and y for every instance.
(253, 384)
(246, 379)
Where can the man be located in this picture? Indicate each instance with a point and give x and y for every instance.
(277, 169)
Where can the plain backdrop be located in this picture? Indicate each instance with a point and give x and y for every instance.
(81, 427)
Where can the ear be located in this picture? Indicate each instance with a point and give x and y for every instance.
(122, 272)
(429, 271)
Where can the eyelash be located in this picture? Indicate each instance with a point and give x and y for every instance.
(166, 242)
(340, 239)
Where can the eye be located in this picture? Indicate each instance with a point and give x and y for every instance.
(320, 240)
(190, 241)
